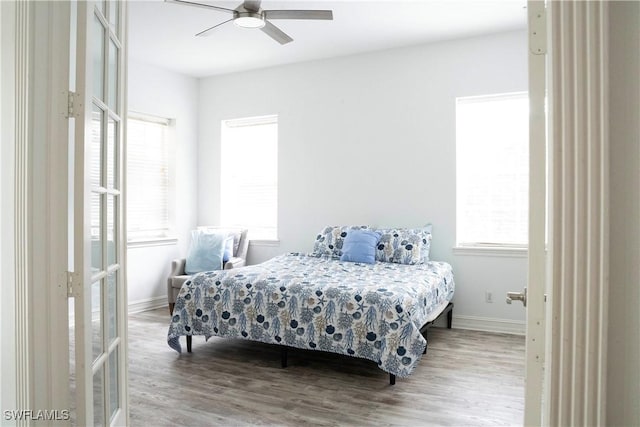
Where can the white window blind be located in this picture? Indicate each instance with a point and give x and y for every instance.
(147, 178)
(249, 175)
(492, 170)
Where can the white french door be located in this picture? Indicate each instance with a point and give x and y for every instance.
(99, 251)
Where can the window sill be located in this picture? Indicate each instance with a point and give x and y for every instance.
(155, 241)
(491, 251)
(275, 242)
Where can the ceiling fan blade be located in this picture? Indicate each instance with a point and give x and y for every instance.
(202, 5)
(276, 33)
(252, 5)
(299, 14)
(208, 30)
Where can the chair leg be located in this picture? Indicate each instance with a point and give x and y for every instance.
(171, 305)
(189, 337)
(450, 318)
(283, 356)
(392, 379)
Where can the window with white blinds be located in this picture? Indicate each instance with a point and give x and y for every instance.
(492, 170)
(249, 175)
(148, 184)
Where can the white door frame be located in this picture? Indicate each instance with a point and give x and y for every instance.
(579, 214)
(33, 205)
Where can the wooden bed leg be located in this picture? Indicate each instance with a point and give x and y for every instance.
(283, 355)
(450, 317)
(189, 337)
(392, 379)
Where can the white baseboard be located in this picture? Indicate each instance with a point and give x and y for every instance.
(134, 307)
(488, 324)
(147, 304)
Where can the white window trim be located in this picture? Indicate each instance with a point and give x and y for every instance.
(264, 243)
(160, 241)
(491, 251)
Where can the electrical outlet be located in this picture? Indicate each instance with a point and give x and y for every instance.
(488, 297)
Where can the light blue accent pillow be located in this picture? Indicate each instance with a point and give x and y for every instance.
(360, 246)
(205, 252)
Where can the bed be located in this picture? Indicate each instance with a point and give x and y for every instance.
(376, 311)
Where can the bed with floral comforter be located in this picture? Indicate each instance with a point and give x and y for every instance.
(371, 311)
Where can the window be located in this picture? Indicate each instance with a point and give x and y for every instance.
(148, 183)
(249, 175)
(492, 170)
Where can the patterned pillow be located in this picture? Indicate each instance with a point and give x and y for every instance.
(404, 245)
(331, 238)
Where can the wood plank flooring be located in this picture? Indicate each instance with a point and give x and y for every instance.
(467, 379)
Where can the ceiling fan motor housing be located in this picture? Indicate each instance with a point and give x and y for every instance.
(248, 18)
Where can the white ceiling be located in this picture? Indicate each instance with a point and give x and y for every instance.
(163, 34)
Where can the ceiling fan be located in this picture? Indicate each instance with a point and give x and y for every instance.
(250, 15)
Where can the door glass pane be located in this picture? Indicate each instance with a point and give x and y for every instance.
(111, 230)
(112, 294)
(98, 399)
(96, 147)
(112, 127)
(96, 319)
(113, 383)
(96, 235)
(114, 17)
(113, 75)
(98, 55)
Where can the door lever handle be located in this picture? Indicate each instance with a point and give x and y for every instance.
(517, 296)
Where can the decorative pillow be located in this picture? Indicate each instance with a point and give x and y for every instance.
(236, 241)
(330, 240)
(404, 245)
(228, 249)
(205, 252)
(232, 231)
(360, 246)
(427, 242)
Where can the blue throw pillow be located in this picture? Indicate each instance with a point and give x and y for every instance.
(360, 246)
(205, 252)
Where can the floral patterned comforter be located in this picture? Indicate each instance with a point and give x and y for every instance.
(372, 311)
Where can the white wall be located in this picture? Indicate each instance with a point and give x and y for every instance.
(623, 382)
(370, 139)
(163, 93)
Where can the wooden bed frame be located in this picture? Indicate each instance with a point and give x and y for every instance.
(392, 378)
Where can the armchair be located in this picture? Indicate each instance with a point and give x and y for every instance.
(177, 276)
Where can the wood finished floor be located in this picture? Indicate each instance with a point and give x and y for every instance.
(467, 378)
